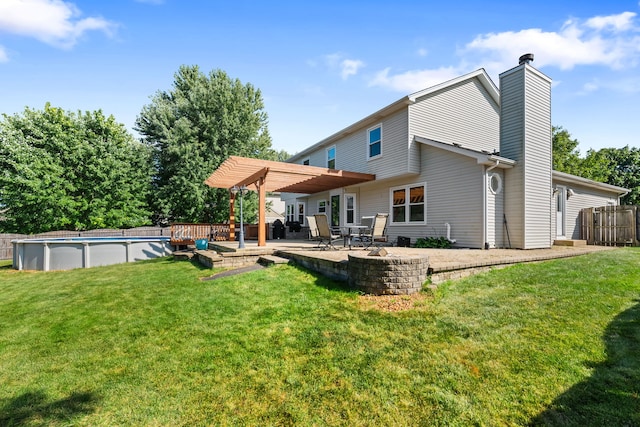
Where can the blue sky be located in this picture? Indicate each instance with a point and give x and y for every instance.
(324, 65)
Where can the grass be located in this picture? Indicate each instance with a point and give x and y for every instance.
(148, 343)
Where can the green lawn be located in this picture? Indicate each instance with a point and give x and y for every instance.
(149, 343)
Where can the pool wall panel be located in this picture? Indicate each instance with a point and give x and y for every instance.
(69, 253)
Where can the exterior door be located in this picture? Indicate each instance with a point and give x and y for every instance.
(335, 210)
(561, 206)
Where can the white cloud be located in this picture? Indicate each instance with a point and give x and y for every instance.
(576, 43)
(346, 67)
(350, 67)
(414, 80)
(590, 87)
(422, 52)
(3, 55)
(611, 41)
(54, 22)
(620, 22)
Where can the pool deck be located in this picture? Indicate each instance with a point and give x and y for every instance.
(442, 262)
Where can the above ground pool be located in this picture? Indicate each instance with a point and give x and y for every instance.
(84, 252)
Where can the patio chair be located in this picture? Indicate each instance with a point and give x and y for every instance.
(326, 236)
(378, 233)
(313, 230)
(367, 221)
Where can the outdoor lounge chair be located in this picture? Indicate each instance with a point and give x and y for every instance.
(313, 230)
(326, 236)
(378, 233)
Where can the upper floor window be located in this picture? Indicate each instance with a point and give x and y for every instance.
(408, 204)
(374, 140)
(331, 157)
(306, 162)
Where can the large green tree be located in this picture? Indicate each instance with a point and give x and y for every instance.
(566, 156)
(192, 129)
(616, 166)
(66, 171)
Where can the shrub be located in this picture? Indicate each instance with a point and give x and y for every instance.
(433, 242)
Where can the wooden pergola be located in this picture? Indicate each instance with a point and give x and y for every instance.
(267, 175)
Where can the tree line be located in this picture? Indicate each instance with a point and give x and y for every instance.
(615, 166)
(62, 170)
(77, 171)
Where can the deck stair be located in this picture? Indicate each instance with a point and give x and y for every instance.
(268, 260)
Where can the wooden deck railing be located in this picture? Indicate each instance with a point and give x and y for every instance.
(186, 233)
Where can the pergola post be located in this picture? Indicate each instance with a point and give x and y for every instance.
(232, 217)
(262, 201)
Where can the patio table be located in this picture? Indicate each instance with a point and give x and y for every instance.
(348, 235)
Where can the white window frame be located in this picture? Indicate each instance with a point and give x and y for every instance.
(306, 161)
(301, 215)
(369, 144)
(346, 209)
(328, 152)
(322, 209)
(290, 212)
(498, 181)
(407, 204)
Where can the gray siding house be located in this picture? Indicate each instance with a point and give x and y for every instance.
(461, 159)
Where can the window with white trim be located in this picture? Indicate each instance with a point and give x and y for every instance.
(301, 212)
(306, 162)
(331, 157)
(350, 209)
(290, 217)
(495, 183)
(408, 204)
(322, 206)
(374, 141)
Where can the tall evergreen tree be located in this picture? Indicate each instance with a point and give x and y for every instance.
(193, 128)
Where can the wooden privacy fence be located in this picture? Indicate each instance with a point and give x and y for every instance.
(611, 225)
(6, 248)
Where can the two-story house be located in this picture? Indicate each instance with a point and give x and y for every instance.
(462, 159)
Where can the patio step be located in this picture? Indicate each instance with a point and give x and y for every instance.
(570, 242)
(272, 260)
(208, 258)
(184, 255)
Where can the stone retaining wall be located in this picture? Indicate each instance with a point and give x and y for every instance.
(387, 275)
(336, 270)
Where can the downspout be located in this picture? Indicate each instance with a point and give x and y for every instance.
(485, 213)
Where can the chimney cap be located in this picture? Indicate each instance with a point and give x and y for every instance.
(526, 58)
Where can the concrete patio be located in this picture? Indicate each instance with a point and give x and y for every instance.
(444, 264)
